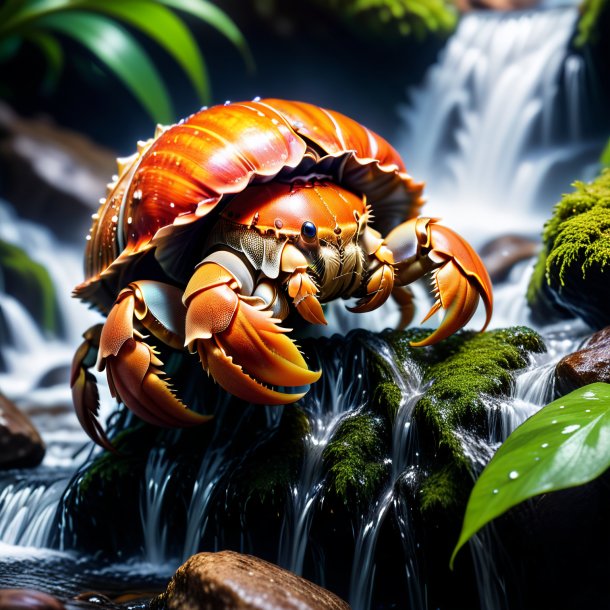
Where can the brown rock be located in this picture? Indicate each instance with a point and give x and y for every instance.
(501, 254)
(20, 444)
(219, 581)
(27, 599)
(588, 365)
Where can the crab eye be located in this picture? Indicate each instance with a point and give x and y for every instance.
(308, 230)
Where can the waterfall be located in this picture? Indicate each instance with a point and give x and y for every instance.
(28, 508)
(34, 374)
(338, 394)
(404, 456)
(498, 126)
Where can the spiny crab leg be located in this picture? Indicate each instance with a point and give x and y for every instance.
(381, 272)
(239, 342)
(421, 246)
(135, 374)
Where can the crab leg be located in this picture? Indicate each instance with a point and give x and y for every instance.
(85, 395)
(238, 340)
(301, 288)
(421, 246)
(381, 272)
(135, 374)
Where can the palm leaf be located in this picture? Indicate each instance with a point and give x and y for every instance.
(162, 26)
(120, 52)
(211, 14)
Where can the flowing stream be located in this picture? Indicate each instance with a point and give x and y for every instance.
(498, 131)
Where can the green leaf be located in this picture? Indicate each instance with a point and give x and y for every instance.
(210, 13)
(50, 47)
(564, 445)
(162, 26)
(116, 48)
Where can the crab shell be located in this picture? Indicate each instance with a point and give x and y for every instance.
(170, 192)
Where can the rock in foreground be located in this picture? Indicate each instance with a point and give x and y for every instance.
(216, 581)
(587, 365)
(20, 444)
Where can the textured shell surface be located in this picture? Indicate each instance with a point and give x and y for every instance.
(167, 194)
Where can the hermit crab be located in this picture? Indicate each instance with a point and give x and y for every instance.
(220, 226)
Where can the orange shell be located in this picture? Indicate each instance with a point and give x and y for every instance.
(162, 196)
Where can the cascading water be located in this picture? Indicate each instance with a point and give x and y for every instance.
(497, 129)
(341, 393)
(404, 456)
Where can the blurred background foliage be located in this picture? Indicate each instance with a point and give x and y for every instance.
(98, 25)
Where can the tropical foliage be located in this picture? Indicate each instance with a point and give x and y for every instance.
(564, 445)
(107, 28)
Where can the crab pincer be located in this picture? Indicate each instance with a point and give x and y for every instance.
(241, 345)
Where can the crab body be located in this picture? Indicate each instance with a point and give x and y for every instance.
(221, 225)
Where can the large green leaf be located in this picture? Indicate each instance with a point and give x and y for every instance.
(162, 26)
(115, 47)
(210, 13)
(565, 444)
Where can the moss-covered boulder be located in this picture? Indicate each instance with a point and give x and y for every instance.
(571, 275)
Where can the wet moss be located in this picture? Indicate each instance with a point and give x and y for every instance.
(355, 460)
(458, 374)
(268, 472)
(576, 256)
(593, 13)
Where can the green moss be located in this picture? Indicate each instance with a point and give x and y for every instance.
(355, 460)
(458, 374)
(576, 253)
(30, 283)
(397, 18)
(443, 489)
(270, 470)
(591, 15)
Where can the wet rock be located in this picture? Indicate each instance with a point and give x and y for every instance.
(588, 365)
(571, 275)
(27, 599)
(500, 255)
(210, 581)
(20, 444)
(51, 174)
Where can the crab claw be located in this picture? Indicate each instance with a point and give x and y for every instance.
(241, 345)
(458, 274)
(134, 371)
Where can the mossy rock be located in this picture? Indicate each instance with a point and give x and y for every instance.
(451, 417)
(571, 275)
(30, 283)
(355, 460)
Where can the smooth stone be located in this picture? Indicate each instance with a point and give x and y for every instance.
(217, 581)
(27, 599)
(21, 445)
(587, 365)
(501, 254)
